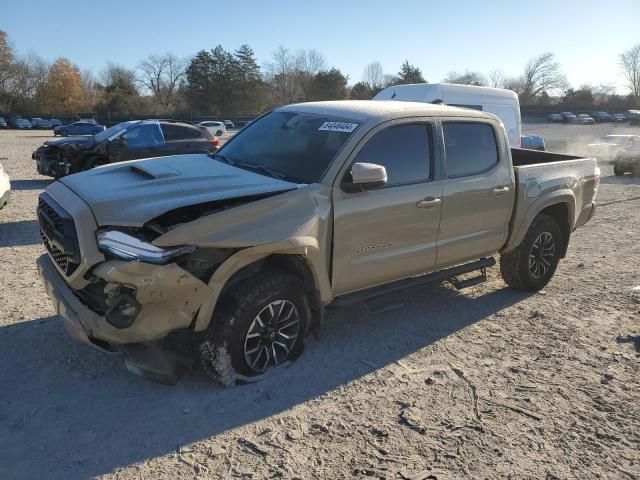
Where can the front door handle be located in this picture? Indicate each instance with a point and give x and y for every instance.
(500, 191)
(428, 202)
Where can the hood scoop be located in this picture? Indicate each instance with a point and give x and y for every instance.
(154, 171)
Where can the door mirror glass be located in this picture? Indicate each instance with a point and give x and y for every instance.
(367, 176)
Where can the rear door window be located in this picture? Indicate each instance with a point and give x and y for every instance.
(180, 132)
(403, 150)
(142, 136)
(471, 148)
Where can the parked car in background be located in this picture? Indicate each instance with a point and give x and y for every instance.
(584, 119)
(79, 128)
(216, 128)
(229, 124)
(607, 148)
(40, 123)
(5, 187)
(16, 121)
(628, 159)
(634, 117)
(125, 141)
(618, 117)
(55, 122)
(568, 117)
(499, 101)
(555, 118)
(3, 123)
(601, 117)
(532, 142)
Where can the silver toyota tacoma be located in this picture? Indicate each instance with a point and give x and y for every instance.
(311, 204)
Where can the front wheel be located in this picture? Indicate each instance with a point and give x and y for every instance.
(258, 325)
(618, 170)
(531, 265)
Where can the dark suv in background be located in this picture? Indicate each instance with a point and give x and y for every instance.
(125, 141)
(601, 117)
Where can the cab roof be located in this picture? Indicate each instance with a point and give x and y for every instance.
(364, 110)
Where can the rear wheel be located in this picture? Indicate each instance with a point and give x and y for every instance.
(531, 265)
(219, 133)
(259, 324)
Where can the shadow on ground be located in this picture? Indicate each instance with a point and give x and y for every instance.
(20, 233)
(68, 411)
(621, 180)
(30, 184)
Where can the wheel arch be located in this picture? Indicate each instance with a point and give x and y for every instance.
(559, 205)
(300, 257)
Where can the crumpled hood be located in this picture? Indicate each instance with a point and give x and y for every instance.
(84, 141)
(132, 193)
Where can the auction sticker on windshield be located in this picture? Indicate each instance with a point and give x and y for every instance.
(338, 127)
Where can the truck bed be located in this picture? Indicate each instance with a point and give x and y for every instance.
(544, 178)
(522, 157)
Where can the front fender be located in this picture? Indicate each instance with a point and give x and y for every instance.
(306, 247)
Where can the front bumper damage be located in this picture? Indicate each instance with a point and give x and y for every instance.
(50, 162)
(169, 298)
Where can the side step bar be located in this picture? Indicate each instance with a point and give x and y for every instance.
(439, 275)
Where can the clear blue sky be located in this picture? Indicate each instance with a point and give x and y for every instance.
(586, 35)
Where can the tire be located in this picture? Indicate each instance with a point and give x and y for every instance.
(227, 349)
(544, 235)
(618, 170)
(219, 133)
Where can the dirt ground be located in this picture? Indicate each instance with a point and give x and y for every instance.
(432, 383)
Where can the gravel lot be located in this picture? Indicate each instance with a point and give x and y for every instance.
(430, 383)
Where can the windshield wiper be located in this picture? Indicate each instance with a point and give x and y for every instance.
(270, 172)
(222, 158)
(256, 168)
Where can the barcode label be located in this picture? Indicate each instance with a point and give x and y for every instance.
(338, 127)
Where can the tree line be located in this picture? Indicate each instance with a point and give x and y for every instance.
(233, 83)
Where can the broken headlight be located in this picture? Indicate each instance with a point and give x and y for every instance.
(128, 247)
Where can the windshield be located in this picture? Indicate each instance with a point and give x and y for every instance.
(297, 146)
(101, 136)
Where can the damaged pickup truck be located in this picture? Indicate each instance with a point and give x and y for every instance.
(311, 204)
(124, 141)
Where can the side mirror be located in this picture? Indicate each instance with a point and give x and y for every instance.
(366, 176)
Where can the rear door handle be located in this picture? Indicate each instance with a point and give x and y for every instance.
(428, 202)
(500, 191)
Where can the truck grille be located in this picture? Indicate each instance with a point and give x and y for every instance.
(58, 234)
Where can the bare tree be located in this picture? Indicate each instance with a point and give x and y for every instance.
(161, 74)
(291, 75)
(374, 77)
(28, 77)
(117, 77)
(310, 61)
(6, 61)
(496, 78)
(603, 93)
(630, 65)
(466, 78)
(278, 73)
(89, 92)
(542, 74)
